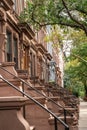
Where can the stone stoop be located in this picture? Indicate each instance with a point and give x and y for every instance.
(60, 126)
(71, 112)
(36, 115)
(7, 90)
(67, 100)
(10, 113)
(22, 74)
(9, 66)
(70, 103)
(32, 92)
(53, 107)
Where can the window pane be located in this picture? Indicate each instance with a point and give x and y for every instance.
(15, 52)
(9, 47)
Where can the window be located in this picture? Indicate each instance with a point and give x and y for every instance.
(15, 52)
(41, 69)
(34, 69)
(24, 57)
(32, 65)
(9, 47)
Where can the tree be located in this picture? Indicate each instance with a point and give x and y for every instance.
(75, 70)
(66, 13)
(71, 13)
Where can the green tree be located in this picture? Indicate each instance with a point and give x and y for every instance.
(66, 13)
(71, 13)
(75, 70)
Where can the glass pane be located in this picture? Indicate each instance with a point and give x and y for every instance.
(9, 47)
(15, 48)
(15, 52)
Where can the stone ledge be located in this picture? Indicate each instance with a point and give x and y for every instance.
(39, 99)
(11, 117)
(12, 102)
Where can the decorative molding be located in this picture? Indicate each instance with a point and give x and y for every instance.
(49, 56)
(41, 48)
(13, 24)
(27, 30)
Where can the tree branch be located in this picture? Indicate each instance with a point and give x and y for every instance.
(77, 56)
(73, 19)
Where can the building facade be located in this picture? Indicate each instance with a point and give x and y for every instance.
(26, 61)
(21, 45)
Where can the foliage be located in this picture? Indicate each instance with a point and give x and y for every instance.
(76, 65)
(66, 13)
(55, 36)
(71, 13)
(72, 81)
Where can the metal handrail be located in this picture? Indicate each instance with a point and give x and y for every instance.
(49, 99)
(39, 104)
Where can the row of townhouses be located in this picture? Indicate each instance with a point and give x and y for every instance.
(32, 96)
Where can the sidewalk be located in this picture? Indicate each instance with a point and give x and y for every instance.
(83, 116)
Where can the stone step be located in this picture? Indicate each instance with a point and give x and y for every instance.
(11, 116)
(59, 125)
(7, 90)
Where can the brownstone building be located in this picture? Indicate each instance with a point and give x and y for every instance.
(24, 54)
(20, 44)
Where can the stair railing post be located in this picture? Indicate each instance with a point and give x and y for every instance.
(65, 118)
(67, 128)
(55, 124)
(38, 103)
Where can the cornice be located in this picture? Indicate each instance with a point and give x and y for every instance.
(33, 47)
(13, 24)
(49, 56)
(27, 29)
(41, 48)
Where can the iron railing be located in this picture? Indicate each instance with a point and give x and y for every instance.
(39, 104)
(47, 98)
(63, 92)
(35, 89)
